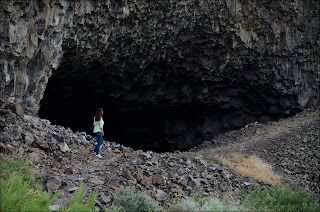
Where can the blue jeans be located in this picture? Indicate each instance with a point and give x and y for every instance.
(99, 142)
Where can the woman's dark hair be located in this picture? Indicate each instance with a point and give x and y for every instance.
(98, 114)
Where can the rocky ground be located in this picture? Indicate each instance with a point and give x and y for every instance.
(62, 159)
(291, 146)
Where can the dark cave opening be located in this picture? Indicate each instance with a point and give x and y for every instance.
(146, 128)
(71, 99)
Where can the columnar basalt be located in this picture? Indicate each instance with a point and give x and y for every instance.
(253, 58)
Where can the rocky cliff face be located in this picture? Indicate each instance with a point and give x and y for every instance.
(253, 58)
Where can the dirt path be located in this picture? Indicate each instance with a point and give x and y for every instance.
(261, 133)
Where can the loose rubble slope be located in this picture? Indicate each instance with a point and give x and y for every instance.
(62, 159)
(291, 146)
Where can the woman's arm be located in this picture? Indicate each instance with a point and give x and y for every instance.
(101, 126)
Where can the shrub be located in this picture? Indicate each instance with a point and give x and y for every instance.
(9, 165)
(128, 200)
(17, 192)
(208, 204)
(18, 195)
(78, 204)
(199, 202)
(280, 199)
(175, 207)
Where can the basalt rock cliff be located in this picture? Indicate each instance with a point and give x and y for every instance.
(234, 61)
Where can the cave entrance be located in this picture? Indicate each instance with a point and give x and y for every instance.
(138, 126)
(133, 120)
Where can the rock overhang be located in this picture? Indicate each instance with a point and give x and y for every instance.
(220, 39)
(232, 56)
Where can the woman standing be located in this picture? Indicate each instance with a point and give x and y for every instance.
(98, 130)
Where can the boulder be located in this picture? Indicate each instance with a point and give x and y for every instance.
(146, 181)
(28, 138)
(64, 147)
(55, 207)
(40, 143)
(161, 195)
(35, 156)
(83, 140)
(140, 176)
(127, 175)
(104, 199)
(72, 189)
(96, 180)
(53, 184)
(157, 179)
(15, 108)
(195, 184)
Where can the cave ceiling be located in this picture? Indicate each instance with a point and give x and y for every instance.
(227, 54)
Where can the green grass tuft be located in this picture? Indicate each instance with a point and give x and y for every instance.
(280, 199)
(10, 164)
(78, 203)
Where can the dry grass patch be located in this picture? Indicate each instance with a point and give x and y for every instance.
(251, 166)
